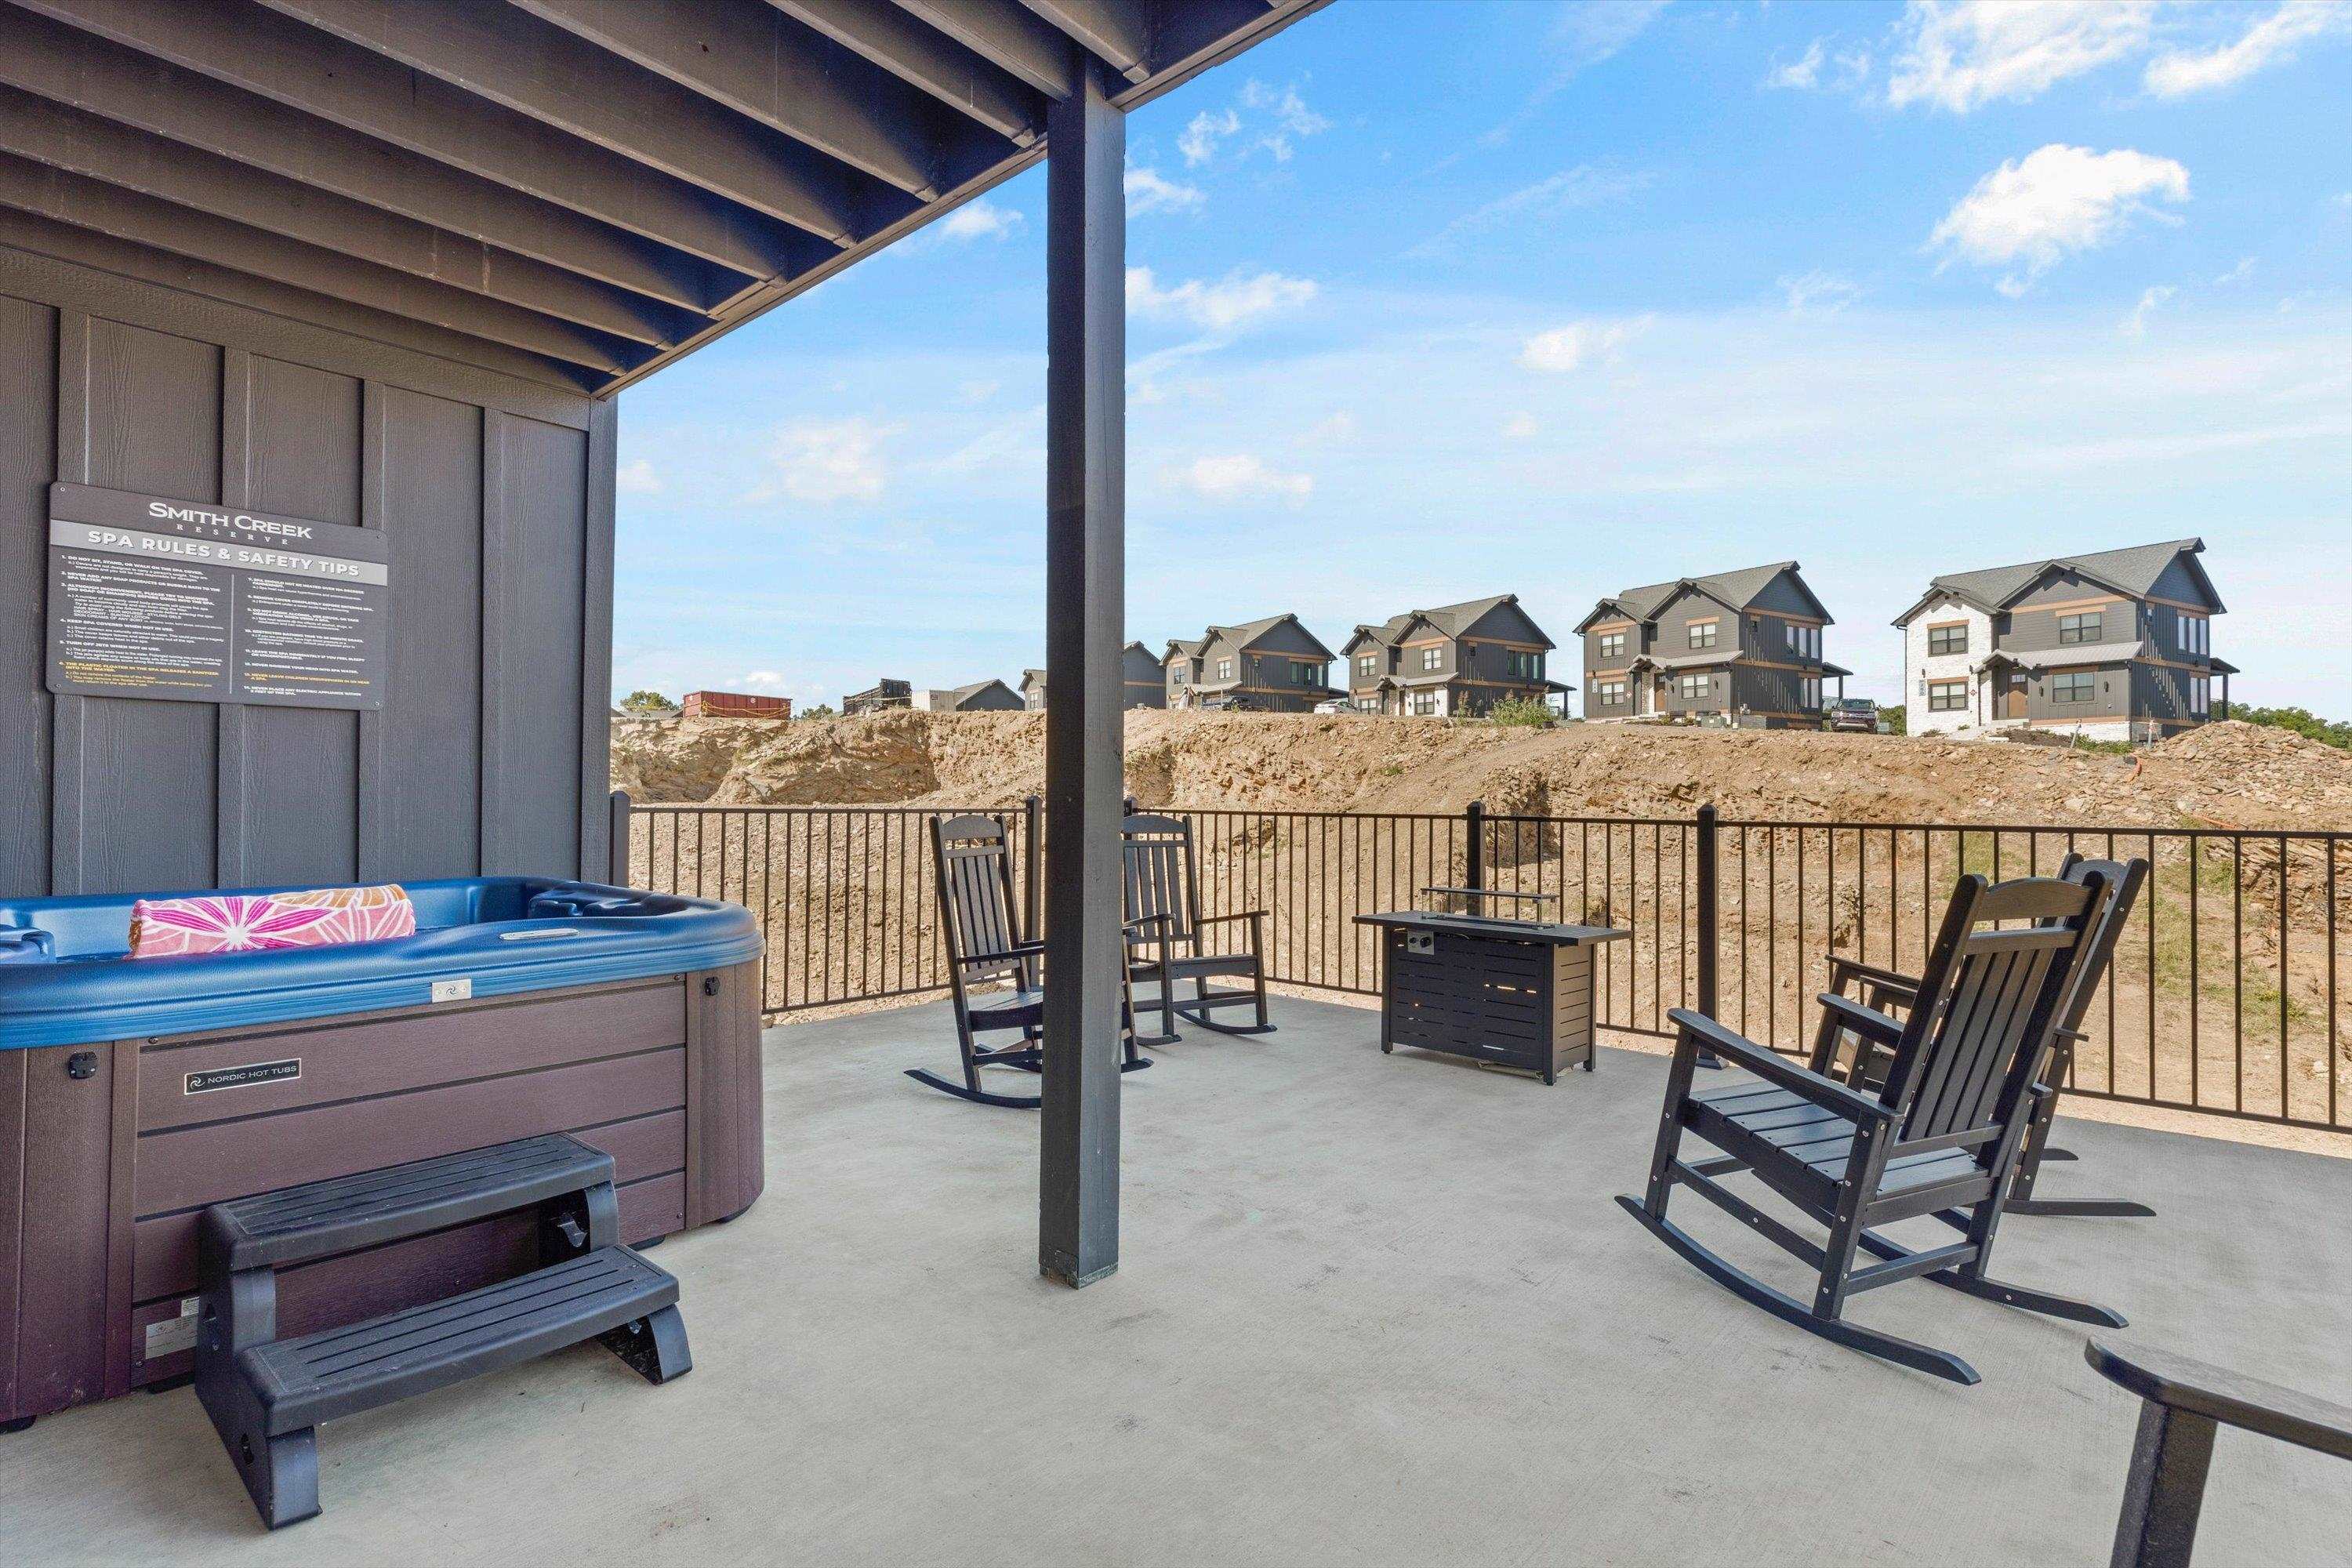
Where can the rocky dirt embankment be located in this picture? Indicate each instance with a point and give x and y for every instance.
(2224, 775)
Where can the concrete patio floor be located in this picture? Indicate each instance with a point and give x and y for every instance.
(1373, 1310)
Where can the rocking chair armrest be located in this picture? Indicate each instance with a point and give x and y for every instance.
(1159, 919)
(1701, 1031)
(1228, 919)
(1844, 969)
(1867, 1022)
(1018, 950)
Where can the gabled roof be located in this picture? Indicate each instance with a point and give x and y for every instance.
(1733, 590)
(1033, 677)
(1249, 632)
(960, 695)
(2132, 572)
(1453, 620)
(1188, 646)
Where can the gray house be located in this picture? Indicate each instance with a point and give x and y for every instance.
(979, 696)
(2113, 646)
(1451, 660)
(1270, 665)
(1146, 681)
(1741, 648)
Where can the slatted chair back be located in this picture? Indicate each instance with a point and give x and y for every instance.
(1157, 858)
(1989, 1006)
(972, 858)
(2122, 880)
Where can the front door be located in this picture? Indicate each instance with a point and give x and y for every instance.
(2013, 698)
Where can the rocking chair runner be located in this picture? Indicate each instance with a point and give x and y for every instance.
(1864, 1066)
(974, 863)
(1165, 927)
(1943, 1133)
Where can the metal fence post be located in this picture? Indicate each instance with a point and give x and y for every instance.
(616, 856)
(1032, 864)
(1710, 919)
(1473, 874)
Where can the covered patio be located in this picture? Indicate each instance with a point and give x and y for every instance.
(1376, 1310)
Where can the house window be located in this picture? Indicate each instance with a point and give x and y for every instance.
(1947, 640)
(1424, 703)
(1612, 644)
(2200, 696)
(1695, 687)
(1368, 664)
(1224, 669)
(1947, 697)
(2074, 685)
(1608, 693)
(1702, 634)
(1523, 664)
(2076, 629)
(1804, 641)
(1304, 672)
(1176, 677)
(1812, 694)
(2196, 636)
(1432, 658)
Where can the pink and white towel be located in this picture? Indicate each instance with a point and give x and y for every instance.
(257, 922)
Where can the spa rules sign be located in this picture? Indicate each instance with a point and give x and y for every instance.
(188, 602)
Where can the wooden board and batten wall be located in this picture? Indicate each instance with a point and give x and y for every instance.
(496, 494)
(116, 1156)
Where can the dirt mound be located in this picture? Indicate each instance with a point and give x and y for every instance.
(2229, 774)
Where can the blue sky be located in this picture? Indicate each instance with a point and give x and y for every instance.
(1432, 299)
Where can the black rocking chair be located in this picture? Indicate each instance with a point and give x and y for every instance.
(1943, 1133)
(974, 863)
(1840, 1052)
(1165, 928)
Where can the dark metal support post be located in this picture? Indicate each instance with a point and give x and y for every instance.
(1033, 866)
(1710, 919)
(1086, 584)
(1473, 872)
(619, 856)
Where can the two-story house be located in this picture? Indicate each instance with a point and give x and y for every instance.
(1454, 661)
(1270, 665)
(1741, 648)
(2113, 646)
(1140, 675)
(979, 696)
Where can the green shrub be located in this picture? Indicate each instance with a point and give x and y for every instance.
(1531, 712)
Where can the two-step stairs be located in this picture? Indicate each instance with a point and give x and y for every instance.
(267, 1395)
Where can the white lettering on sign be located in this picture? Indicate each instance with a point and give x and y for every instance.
(244, 523)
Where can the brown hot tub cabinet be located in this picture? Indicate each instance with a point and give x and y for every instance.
(111, 1150)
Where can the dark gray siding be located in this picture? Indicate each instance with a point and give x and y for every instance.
(2179, 584)
(1783, 596)
(1678, 614)
(128, 384)
(2111, 695)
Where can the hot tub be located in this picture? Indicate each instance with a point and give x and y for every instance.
(135, 1091)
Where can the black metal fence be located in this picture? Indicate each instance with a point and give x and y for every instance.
(2224, 997)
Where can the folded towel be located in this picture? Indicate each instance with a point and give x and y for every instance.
(253, 922)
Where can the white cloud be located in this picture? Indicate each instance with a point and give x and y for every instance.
(1219, 307)
(1579, 344)
(637, 478)
(1819, 293)
(2271, 41)
(1149, 190)
(1519, 426)
(1237, 477)
(980, 220)
(1961, 54)
(1802, 73)
(1590, 32)
(1335, 429)
(1555, 196)
(2238, 274)
(2136, 324)
(761, 680)
(1289, 113)
(972, 391)
(2033, 213)
(826, 460)
(1206, 129)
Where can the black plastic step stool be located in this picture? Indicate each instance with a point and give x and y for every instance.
(267, 1395)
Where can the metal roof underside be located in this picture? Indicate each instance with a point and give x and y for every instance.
(576, 192)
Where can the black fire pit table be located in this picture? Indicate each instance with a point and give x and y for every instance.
(1507, 992)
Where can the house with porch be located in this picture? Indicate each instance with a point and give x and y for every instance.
(2117, 645)
(1270, 665)
(1738, 648)
(1450, 661)
(1144, 682)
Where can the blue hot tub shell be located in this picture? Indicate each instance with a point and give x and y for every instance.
(66, 976)
(133, 1092)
